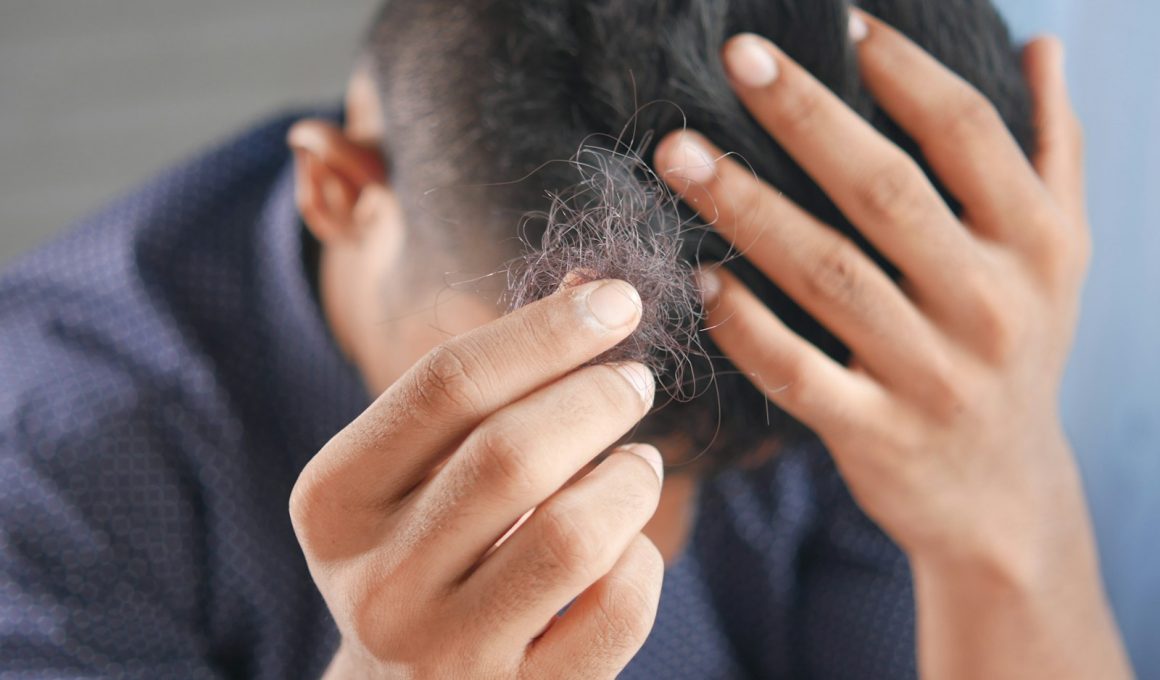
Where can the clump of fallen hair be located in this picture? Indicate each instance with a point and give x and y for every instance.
(619, 221)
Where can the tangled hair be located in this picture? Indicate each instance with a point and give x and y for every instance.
(613, 224)
(479, 94)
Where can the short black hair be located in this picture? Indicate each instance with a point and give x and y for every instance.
(485, 92)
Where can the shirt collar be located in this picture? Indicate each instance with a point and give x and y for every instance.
(319, 390)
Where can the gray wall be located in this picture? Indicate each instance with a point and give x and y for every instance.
(97, 94)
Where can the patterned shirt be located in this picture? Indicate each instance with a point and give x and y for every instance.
(166, 374)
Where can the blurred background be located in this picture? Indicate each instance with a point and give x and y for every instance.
(97, 95)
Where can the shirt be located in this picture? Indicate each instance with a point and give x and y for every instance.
(166, 375)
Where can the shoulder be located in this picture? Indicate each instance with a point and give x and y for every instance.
(117, 257)
(101, 330)
(84, 423)
(99, 495)
(130, 456)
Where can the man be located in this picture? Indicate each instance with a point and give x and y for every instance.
(174, 376)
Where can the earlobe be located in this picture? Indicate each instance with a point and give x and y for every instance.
(332, 172)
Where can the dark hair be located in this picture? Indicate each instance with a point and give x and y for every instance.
(479, 94)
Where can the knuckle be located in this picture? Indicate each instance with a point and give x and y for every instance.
(627, 613)
(800, 110)
(310, 505)
(544, 329)
(946, 388)
(303, 501)
(367, 627)
(1046, 221)
(834, 276)
(992, 321)
(737, 207)
(1060, 250)
(912, 444)
(1058, 253)
(777, 370)
(794, 392)
(971, 117)
(500, 456)
(628, 603)
(448, 381)
(369, 614)
(896, 193)
(999, 336)
(795, 383)
(982, 294)
(570, 546)
(330, 522)
(369, 603)
(742, 209)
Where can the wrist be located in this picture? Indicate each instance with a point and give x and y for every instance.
(1031, 535)
(1039, 614)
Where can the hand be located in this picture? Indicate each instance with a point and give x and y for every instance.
(414, 518)
(945, 425)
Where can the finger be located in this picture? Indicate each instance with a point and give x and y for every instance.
(520, 456)
(797, 376)
(959, 131)
(879, 187)
(822, 270)
(1059, 156)
(439, 400)
(607, 625)
(569, 543)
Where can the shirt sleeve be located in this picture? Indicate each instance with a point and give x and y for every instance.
(99, 572)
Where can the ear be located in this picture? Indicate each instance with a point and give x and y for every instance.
(332, 173)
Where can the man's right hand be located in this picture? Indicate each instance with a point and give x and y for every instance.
(407, 515)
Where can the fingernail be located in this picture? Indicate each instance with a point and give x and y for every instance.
(640, 378)
(858, 28)
(710, 286)
(614, 304)
(749, 62)
(691, 162)
(650, 456)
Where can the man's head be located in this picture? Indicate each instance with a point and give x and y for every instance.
(453, 164)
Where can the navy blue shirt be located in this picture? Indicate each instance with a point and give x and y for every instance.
(165, 374)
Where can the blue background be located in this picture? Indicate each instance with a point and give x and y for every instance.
(1110, 401)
